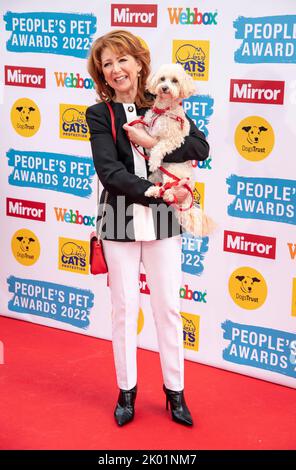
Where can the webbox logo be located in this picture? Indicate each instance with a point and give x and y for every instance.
(257, 91)
(73, 217)
(24, 76)
(249, 244)
(192, 16)
(196, 295)
(73, 80)
(134, 15)
(25, 209)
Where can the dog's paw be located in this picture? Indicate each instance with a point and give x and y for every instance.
(153, 191)
(168, 196)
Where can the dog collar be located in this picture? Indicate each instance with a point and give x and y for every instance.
(159, 110)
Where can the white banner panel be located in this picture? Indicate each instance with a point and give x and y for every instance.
(239, 287)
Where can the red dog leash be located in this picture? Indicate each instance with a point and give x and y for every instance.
(167, 185)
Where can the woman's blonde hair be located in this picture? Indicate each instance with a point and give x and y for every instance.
(120, 42)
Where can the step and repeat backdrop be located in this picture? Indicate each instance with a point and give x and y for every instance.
(238, 296)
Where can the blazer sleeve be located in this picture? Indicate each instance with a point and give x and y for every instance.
(195, 147)
(111, 171)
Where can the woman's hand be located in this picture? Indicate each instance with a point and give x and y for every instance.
(139, 136)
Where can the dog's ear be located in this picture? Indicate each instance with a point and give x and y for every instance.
(262, 128)
(187, 85)
(151, 83)
(255, 279)
(19, 238)
(31, 108)
(246, 128)
(31, 239)
(240, 278)
(19, 108)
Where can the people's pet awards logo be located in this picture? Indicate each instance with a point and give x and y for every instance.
(25, 247)
(25, 117)
(254, 138)
(247, 288)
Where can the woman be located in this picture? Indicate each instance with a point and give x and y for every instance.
(137, 228)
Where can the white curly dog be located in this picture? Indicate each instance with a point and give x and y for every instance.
(167, 122)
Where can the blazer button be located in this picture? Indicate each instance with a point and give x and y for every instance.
(130, 109)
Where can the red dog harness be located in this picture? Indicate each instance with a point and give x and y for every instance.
(168, 185)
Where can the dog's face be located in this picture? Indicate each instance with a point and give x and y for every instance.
(25, 112)
(247, 283)
(254, 133)
(25, 243)
(171, 81)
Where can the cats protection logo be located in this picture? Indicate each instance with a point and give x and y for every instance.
(73, 255)
(199, 194)
(190, 331)
(73, 124)
(254, 138)
(25, 117)
(193, 56)
(247, 288)
(25, 247)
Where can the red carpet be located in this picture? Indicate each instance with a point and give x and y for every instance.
(58, 391)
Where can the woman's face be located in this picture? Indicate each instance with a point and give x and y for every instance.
(121, 73)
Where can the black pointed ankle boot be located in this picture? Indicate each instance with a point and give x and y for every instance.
(179, 409)
(124, 411)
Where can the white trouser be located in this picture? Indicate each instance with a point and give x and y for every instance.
(162, 263)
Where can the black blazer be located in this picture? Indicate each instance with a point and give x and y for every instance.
(116, 165)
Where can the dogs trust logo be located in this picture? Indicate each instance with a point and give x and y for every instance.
(73, 123)
(25, 117)
(254, 138)
(247, 288)
(73, 255)
(190, 331)
(193, 56)
(25, 247)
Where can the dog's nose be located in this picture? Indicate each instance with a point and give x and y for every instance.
(165, 88)
(256, 139)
